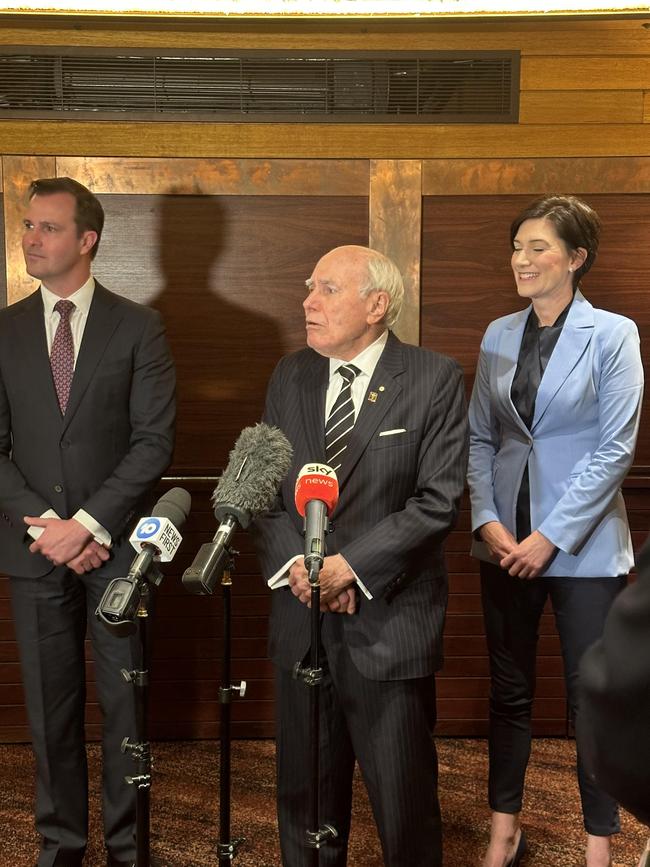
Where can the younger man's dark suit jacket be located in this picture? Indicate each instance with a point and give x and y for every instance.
(114, 442)
(399, 497)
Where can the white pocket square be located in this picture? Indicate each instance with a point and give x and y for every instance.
(390, 433)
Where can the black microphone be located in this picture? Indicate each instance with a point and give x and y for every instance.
(155, 538)
(257, 465)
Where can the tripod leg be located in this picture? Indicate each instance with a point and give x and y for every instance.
(140, 751)
(317, 835)
(293, 746)
(226, 847)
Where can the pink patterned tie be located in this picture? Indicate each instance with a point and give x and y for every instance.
(62, 354)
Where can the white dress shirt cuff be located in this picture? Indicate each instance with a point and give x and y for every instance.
(361, 585)
(35, 532)
(99, 533)
(281, 577)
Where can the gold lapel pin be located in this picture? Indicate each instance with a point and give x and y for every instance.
(372, 397)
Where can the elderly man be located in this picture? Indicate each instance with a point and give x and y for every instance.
(390, 418)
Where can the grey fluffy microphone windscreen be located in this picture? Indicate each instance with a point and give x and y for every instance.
(258, 463)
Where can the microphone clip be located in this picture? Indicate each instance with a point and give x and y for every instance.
(213, 564)
(316, 543)
(126, 599)
(310, 676)
(328, 526)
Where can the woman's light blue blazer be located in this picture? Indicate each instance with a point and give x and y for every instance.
(579, 448)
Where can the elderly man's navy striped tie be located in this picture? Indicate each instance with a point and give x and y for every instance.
(341, 419)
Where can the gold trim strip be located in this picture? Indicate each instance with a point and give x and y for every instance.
(396, 229)
(218, 177)
(529, 176)
(18, 172)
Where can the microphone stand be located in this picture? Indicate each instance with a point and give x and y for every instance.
(213, 560)
(226, 847)
(317, 835)
(140, 750)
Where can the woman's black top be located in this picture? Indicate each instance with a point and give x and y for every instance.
(536, 348)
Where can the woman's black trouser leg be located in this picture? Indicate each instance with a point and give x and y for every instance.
(511, 610)
(581, 606)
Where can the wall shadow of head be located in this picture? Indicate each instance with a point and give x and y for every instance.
(224, 347)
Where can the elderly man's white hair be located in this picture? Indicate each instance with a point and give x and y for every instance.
(383, 274)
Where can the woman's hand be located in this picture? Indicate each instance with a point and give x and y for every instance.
(498, 538)
(528, 558)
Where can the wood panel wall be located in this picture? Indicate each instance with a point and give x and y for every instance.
(584, 89)
(219, 224)
(228, 274)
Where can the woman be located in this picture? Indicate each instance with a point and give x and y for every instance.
(553, 417)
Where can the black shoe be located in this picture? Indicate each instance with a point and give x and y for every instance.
(522, 848)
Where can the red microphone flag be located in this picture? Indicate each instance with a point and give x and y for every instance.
(316, 482)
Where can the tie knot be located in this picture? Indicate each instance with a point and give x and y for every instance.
(64, 308)
(348, 372)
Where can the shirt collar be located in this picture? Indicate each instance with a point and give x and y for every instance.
(366, 360)
(82, 298)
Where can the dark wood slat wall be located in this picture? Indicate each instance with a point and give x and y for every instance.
(228, 272)
(224, 267)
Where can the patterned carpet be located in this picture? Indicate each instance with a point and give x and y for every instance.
(185, 807)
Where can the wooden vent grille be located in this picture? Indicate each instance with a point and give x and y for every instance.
(441, 86)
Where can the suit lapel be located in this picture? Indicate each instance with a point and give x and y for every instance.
(572, 342)
(385, 385)
(103, 318)
(508, 353)
(313, 390)
(35, 361)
